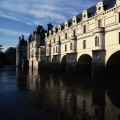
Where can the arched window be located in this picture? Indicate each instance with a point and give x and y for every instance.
(99, 23)
(96, 41)
(70, 46)
(56, 49)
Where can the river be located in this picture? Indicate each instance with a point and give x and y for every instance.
(27, 95)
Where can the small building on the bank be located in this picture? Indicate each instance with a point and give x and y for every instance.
(21, 52)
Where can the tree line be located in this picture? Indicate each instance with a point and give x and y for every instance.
(9, 56)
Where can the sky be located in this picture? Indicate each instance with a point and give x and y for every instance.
(21, 17)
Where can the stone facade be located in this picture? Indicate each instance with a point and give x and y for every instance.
(94, 32)
(36, 50)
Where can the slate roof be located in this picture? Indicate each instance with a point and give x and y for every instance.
(91, 11)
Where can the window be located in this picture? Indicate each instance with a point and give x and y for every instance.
(74, 33)
(119, 17)
(119, 37)
(65, 35)
(47, 51)
(65, 48)
(99, 23)
(53, 50)
(59, 38)
(56, 49)
(70, 46)
(96, 41)
(99, 8)
(84, 29)
(84, 44)
(54, 40)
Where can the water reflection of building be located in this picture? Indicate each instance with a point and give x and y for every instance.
(33, 79)
(21, 78)
(73, 102)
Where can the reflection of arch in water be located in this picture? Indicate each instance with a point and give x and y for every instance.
(53, 59)
(63, 63)
(84, 64)
(113, 94)
(113, 64)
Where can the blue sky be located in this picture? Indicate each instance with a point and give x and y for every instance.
(19, 17)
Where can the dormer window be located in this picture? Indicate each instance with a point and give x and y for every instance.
(66, 24)
(85, 15)
(59, 28)
(74, 20)
(50, 32)
(54, 30)
(117, 2)
(99, 7)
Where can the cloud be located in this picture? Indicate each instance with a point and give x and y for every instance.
(9, 32)
(39, 9)
(22, 16)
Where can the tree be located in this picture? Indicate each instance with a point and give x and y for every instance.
(1, 48)
(10, 54)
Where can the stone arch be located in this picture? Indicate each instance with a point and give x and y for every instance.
(113, 63)
(54, 59)
(63, 63)
(84, 53)
(84, 64)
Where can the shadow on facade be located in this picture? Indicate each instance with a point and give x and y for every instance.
(113, 65)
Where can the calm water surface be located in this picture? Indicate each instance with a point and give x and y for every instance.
(32, 96)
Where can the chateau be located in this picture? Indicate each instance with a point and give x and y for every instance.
(90, 39)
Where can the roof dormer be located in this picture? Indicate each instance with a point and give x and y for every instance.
(99, 7)
(50, 32)
(85, 15)
(117, 2)
(59, 28)
(66, 24)
(46, 35)
(54, 30)
(74, 20)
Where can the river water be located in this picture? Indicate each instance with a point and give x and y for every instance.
(27, 95)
